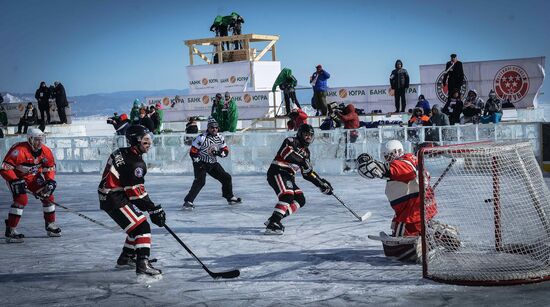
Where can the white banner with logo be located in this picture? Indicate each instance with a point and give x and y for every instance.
(372, 98)
(232, 77)
(516, 80)
(251, 105)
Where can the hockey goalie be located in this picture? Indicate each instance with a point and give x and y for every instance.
(402, 191)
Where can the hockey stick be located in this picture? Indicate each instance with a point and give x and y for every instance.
(360, 218)
(75, 212)
(444, 173)
(215, 275)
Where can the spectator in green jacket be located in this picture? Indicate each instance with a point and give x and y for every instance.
(134, 113)
(228, 114)
(287, 83)
(160, 112)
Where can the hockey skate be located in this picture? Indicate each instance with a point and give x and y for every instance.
(234, 200)
(126, 261)
(274, 228)
(53, 230)
(187, 205)
(12, 236)
(144, 267)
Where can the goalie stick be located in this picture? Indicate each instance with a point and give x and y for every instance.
(360, 218)
(215, 275)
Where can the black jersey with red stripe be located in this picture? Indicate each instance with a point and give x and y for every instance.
(293, 155)
(123, 181)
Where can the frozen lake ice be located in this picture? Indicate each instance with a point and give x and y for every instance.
(323, 259)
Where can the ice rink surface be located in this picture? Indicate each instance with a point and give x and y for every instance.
(323, 259)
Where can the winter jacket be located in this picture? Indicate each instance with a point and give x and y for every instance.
(42, 95)
(285, 80)
(147, 122)
(439, 119)
(30, 117)
(321, 84)
(3, 117)
(473, 105)
(425, 105)
(227, 115)
(399, 78)
(492, 106)
(134, 113)
(297, 118)
(60, 96)
(455, 75)
(453, 108)
(349, 117)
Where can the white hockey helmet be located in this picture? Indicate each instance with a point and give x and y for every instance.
(36, 138)
(392, 150)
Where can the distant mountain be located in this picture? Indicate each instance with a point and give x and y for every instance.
(103, 103)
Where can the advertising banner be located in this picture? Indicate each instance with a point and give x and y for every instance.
(250, 105)
(15, 111)
(517, 81)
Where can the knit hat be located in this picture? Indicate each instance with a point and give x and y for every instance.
(212, 122)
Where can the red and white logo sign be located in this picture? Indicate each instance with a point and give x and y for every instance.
(511, 83)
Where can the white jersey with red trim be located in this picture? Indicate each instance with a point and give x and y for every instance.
(123, 180)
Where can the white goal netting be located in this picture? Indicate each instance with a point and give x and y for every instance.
(493, 214)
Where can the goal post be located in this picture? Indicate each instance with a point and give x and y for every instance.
(492, 225)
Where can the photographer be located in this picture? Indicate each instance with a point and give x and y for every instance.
(120, 123)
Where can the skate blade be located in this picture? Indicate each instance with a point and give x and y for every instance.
(269, 232)
(188, 208)
(13, 240)
(53, 234)
(147, 279)
(125, 267)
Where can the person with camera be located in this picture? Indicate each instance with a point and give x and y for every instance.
(120, 123)
(42, 96)
(30, 166)
(205, 150)
(123, 197)
(287, 83)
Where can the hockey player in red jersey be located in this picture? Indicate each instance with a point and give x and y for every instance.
(30, 165)
(294, 152)
(122, 195)
(402, 191)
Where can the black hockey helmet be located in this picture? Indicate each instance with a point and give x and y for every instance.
(134, 134)
(305, 129)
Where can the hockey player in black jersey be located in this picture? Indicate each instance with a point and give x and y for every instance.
(281, 177)
(122, 195)
(204, 150)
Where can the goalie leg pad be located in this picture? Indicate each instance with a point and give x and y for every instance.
(445, 235)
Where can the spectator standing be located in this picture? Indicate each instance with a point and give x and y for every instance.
(297, 118)
(453, 108)
(134, 113)
(453, 76)
(1, 98)
(236, 27)
(61, 101)
(218, 100)
(493, 109)
(160, 112)
(29, 118)
(287, 83)
(399, 81)
(145, 120)
(320, 87)
(228, 114)
(437, 118)
(3, 119)
(424, 104)
(155, 118)
(473, 106)
(42, 96)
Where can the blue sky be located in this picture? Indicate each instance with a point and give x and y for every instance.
(106, 46)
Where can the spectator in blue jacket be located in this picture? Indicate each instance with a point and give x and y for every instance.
(424, 104)
(320, 87)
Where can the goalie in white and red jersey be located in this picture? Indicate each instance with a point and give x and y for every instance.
(403, 193)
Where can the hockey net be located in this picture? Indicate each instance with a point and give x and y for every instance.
(492, 224)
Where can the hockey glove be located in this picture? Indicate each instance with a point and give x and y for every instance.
(158, 216)
(326, 187)
(219, 153)
(363, 158)
(18, 187)
(373, 169)
(48, 189)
